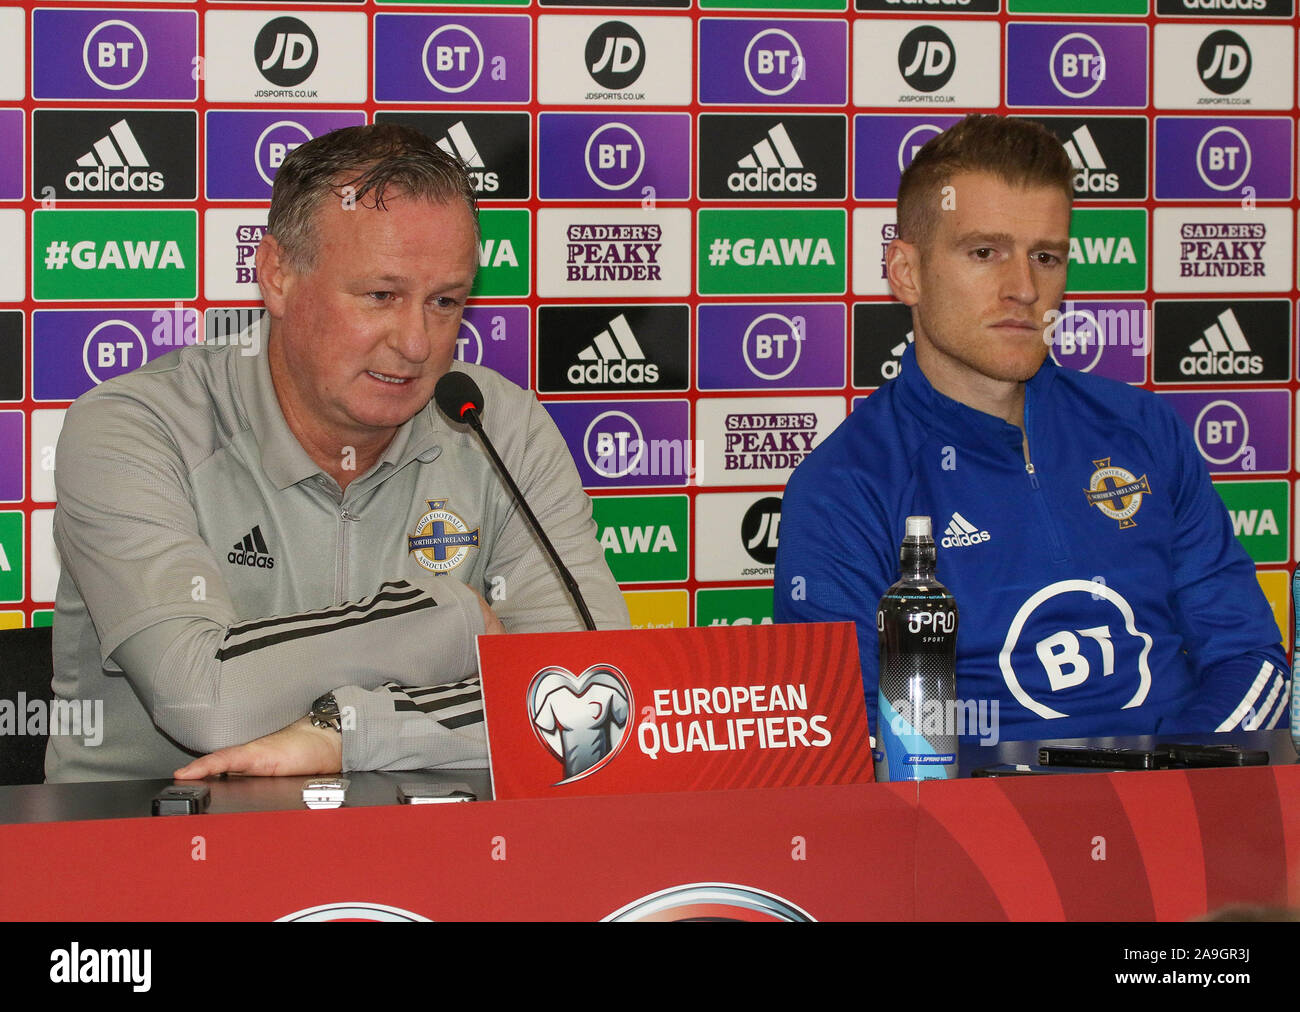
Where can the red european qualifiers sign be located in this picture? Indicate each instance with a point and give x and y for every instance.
(659, 710)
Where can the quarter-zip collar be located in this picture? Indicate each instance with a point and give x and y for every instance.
(958, 423)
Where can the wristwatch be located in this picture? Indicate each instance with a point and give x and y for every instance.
(325, 713)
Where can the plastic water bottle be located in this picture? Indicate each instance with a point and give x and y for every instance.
(917, 626)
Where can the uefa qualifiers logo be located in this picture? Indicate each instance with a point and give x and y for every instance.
(582, 721)
(363, 911)
(711, 901)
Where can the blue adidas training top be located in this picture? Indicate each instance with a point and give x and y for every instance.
(1102, 594)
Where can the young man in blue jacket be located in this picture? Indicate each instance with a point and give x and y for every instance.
(1100, 588)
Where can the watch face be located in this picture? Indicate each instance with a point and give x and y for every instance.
(325, 713)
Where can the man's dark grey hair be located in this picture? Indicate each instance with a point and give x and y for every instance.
(364, 164)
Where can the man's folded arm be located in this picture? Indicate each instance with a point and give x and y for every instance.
(1227, 626)
(210, 687)
(1250, 692)
(406, 728)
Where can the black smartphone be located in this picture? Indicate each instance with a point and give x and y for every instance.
(1106, 758)
(181, 799)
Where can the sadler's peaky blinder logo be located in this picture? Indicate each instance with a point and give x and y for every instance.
(1116, 492)
(441, 540)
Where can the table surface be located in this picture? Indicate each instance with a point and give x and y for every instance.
(122, 799)
(132, 798)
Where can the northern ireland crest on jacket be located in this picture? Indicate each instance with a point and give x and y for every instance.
(1116, 492)
(442, 539)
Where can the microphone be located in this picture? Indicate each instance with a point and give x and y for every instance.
(457, 395)
(460, 399)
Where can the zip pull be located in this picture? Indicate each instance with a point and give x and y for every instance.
(346, 515)
(1029, 469)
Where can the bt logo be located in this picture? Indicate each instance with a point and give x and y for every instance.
(469, 343)
(1222, 432)
(1077, 65)
(115, 54)
(274, 145)
(113, 348)
(1223, 158)
(452, 58)
(774, 63)
(613, 444)
(772, 345)
(913, 141)
(614, 156)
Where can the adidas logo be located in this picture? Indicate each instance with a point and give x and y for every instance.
(1090, 175)
(774, 166)
(893, 365)
(960, 532)
(114, 164)
(459, 143)
(1223, 351)
(614, 356)
(251, 551)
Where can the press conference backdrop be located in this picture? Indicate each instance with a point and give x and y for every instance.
(685, 210)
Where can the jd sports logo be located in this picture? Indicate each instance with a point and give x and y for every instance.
(926, 58)
(961, 533)
(285, 51)
(773, 165)
(458, 142)
(1223, 62)
(759, 530)
(615, 55)
(251, 551)
(1090, 168)
(614, 356)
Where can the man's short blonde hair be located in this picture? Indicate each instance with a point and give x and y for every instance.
(1020, 152)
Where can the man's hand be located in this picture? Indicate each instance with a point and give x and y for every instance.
(491, 624)
(301, 748)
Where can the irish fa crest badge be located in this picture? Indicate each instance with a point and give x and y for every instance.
(1116, 492)
(441, 540)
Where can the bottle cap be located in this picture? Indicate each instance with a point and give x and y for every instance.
(917, 527)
